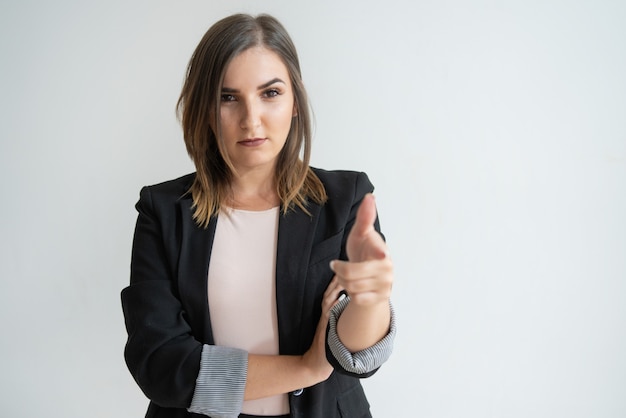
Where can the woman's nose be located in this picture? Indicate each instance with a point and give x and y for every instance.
(251, 117)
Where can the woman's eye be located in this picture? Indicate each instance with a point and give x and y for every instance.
(228, 98)
(271, 93)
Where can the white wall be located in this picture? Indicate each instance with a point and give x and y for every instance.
(495, 132)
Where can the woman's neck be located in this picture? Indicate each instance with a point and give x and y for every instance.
(252, 191)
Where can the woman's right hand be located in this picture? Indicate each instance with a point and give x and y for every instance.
(315, 358)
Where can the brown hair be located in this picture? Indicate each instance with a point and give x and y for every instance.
(198, 111)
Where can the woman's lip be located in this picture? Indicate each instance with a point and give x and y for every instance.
(252, 142)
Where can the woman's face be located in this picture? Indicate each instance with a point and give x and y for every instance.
(256, 109)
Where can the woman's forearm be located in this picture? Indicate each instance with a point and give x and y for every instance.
(360, 327)
(273, 375)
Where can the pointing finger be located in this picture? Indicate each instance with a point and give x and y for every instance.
(365, 216)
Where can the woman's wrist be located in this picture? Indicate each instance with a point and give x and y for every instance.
(313, 371)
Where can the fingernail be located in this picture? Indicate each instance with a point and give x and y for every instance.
(332, 265)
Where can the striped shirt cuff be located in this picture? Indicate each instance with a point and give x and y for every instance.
(363, 361)
(221, 382)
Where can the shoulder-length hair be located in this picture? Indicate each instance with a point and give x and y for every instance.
(199, 113)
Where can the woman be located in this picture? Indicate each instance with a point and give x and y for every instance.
(235, 304)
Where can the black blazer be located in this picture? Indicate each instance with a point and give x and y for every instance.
(166, 307)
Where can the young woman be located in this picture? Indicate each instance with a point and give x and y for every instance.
(236, 299)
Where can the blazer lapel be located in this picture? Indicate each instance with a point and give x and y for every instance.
(295, 240)
(193, 268)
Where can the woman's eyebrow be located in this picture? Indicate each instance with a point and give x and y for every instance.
(261, 87)
(269, 83)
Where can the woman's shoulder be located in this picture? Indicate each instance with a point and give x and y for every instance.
(171, 189)
(340, 182)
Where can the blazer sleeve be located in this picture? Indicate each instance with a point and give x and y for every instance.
(366, 362)
(161, 352)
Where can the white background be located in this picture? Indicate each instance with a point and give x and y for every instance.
(494, 131)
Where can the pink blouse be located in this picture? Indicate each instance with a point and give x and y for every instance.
(242, 291)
